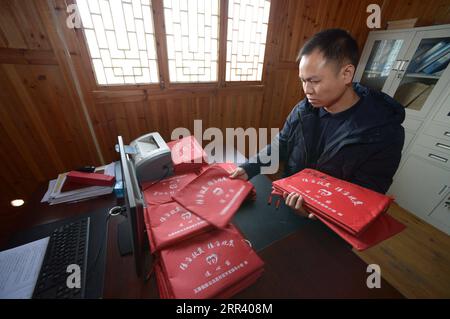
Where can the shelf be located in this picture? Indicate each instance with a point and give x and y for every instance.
(422, 76)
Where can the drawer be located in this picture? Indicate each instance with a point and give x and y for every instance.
(408, 138)
(420, 186)
(412, 124)
(438, 131)
(436, 157)
(441, 214)
(443, 115)
(438, 144)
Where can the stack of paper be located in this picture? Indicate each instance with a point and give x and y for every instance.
(54, 195)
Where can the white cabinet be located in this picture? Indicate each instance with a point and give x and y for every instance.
(419, 186)
(443, 114)
(411, 65)
(440, 216)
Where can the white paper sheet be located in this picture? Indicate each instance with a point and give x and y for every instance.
(19, 269)
(51, 187)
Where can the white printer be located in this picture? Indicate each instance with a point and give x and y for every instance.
(151, 157)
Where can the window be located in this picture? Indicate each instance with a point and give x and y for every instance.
(246, 39)
(192, 33)
(121, 40)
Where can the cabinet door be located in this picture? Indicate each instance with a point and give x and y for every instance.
(419, 186)
(379, 59)
(440, 216)
(423, 73)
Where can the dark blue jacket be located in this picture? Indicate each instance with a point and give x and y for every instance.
(365, 150)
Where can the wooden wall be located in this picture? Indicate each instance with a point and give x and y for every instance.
(54, 118)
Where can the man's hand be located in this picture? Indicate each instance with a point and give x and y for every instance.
(295, 201)
(239, 173)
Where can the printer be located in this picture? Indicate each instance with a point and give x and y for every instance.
(151, 157)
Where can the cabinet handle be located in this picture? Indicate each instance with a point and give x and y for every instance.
(447, 134)
(402, 65)
(444, 146)
(396, 65)
(437, 157)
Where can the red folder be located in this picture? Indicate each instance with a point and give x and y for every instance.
(90, 179)
(213, 196)
(171, 223)
(356, 214)
(187, 155)
(229, 167)
(347, 205)
(384, 227)
(216, 264)
(162, 192)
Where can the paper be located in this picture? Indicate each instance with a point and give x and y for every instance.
(51, 187)
(19, 269)
(54, 195)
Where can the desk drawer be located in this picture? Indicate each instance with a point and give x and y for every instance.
(412, 124)
(432, 155)
(438, 131)
(438, 144)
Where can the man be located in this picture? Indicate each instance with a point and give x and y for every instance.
(342, 129)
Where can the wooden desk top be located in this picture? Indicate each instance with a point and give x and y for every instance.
(301, 265)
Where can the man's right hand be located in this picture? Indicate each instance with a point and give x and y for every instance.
(295, 202)
(239, 173)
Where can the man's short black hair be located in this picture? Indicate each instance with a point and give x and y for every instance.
(336, 45)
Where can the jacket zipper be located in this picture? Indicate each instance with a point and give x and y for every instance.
(303, 139)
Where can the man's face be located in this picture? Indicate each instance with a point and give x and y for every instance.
(323, 82)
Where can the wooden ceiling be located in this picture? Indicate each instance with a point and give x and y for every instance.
(53, 118)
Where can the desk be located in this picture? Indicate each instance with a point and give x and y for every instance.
(306, 261)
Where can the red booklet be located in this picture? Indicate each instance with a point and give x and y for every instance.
(171, 223)
(187, 155)
(347, 205)
(162, 192)
(215, 264)
(213, 196)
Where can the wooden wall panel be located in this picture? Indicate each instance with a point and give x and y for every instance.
(132, 119)
(43, 104)
(21, 26)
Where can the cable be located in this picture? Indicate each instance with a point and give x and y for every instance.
(115, 211)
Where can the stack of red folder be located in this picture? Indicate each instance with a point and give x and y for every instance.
(215, 197)
(216, 264)
(187, 155)
(195, 259)
(355, 213)
(170, 223)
